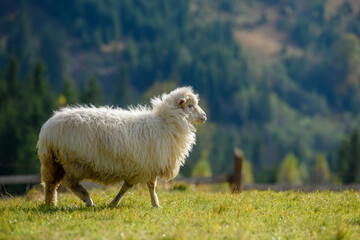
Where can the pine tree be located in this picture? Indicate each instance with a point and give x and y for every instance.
(39, 97)
(12, 79)
(349, 158)
(20, 43)
(202, 167)
(289, 170)
(70, 92)
(355, 156)
(10, 134)
(122, 94)
(321, 171)
(2, 94)
(343, 161)
(37, 103)
(93, 93)
(53, 49)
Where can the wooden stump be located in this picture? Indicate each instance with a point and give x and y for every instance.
(238, 171)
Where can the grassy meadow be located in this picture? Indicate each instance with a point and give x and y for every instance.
(189, 214)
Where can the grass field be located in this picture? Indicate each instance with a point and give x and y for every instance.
(190, 214)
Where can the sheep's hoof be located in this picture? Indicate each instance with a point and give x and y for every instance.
(157, 206)
(90, 204)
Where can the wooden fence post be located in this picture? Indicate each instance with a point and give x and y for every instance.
(238, 171)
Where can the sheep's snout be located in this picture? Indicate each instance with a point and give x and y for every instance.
(200, 116)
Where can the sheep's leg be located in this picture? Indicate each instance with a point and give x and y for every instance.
(52, 175)
(154, 199)
(51, 193)
(118, 197)
(79, 191)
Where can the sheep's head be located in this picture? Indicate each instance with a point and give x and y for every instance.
(181, 99)
(193, 111)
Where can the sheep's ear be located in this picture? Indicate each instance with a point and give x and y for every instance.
(181, 101)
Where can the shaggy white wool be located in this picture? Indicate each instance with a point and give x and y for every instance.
(108, 145)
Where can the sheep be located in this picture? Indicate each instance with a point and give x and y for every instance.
(109, 145)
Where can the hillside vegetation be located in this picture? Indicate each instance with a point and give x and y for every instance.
(277, 78)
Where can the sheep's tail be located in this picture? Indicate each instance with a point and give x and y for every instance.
(51, 170)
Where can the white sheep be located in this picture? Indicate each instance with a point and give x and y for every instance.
(109, 145)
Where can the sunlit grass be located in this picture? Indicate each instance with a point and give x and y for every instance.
(190, 214)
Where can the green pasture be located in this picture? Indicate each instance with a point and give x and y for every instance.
(189, 214)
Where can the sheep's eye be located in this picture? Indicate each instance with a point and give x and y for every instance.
(191, 105)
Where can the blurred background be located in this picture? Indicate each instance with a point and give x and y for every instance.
(280, 79)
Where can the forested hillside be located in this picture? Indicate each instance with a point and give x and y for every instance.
(279, 79)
